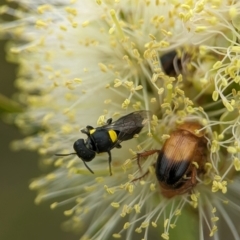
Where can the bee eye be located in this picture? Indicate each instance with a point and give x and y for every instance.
(83, 151)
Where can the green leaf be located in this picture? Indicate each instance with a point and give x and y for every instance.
(9, 106)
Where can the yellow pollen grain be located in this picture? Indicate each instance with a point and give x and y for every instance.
(99, 2)
(232, 149)
(214, 219)
(195, 164)
(236, 163)
(54, 205)
(107, 101)
(214, 210)
(117, 235)
(111, 30)
(153, 187)
(101, 120)
(33, 185)
(136, 53)
(77, 80)
(71, 10)
(194, 197)
(109, 190)
(178, 212)
(130, 188)
(85, 24)
(152, 37)
(138, 230)
(160, 91)
(165, 136)
(38, 199)
(154, 224)
(165, 236)
(103, 67)
(199, 6)
(165, 105)
(173, 226)
(117, 83)
(200, 29)
(90, 188)
(115, 204)
(63, 28)
(214, 229)
(41, 23)
(139, 87)
(180, 91)
(68, 212)
(51, 176)
(126, 225)
(153, 100)
(144, 224)
(190, 109)
(137, 208)
(74, 24)
(126, 103)
(228, 105)
(41, 9)
(165, 223)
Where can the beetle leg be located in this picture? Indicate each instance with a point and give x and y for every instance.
(109, 162)
(144, 154)
(145, 174)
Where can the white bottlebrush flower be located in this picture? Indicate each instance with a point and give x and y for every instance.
(82, 62)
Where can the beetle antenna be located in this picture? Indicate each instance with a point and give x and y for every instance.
(61, 155)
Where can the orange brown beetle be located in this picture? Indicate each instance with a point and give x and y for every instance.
(180, 160)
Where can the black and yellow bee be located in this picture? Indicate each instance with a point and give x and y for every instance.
(105, 138)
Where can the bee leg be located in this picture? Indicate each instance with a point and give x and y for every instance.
(87, 130)
(118, 146)
(109, 162)
(109, 121)
(90, 170)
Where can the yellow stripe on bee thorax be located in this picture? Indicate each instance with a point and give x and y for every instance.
(113, 135)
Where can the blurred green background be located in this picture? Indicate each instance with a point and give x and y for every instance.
(20, 218)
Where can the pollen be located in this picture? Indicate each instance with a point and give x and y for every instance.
(117, 235)
(115, 204)
(54, 205)
(232, 149)
(109, 190)
(125, 103)
(68, 212)
(236, 163)
(165, 235)
(137, 208)
(154, 224)
(213, 230)
(103, 67)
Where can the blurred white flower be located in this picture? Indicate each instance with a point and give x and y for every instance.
(82, 62)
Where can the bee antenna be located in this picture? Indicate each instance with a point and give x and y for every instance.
(61, 155)
(88, 167)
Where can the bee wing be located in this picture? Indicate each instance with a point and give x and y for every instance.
(129, 125)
